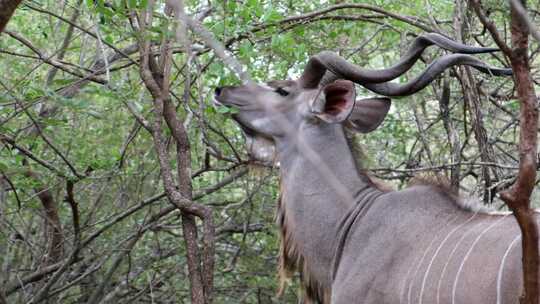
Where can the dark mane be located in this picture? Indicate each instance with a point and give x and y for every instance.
(290, 257)
(359, 156)
(442, 185)
(291, 260)
(437, 181)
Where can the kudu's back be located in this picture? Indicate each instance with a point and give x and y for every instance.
(420, 245)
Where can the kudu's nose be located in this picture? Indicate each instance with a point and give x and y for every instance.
(215, 100)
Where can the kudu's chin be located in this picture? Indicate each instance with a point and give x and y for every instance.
(260, 148)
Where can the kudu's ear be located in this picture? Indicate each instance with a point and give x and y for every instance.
(335, 101)
(368, 113)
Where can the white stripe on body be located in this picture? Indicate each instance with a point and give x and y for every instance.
(468, 253)
(422, 260)
(471, 229)
(437, 252)
(404, 284)
(499, 212)
(501, 268)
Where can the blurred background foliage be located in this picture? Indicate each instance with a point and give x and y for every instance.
(49, 102)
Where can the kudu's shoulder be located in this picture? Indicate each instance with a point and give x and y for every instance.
(421, 197)
(433, 199)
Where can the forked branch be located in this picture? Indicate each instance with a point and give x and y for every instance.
(155, 75)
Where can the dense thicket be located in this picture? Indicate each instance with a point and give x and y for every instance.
(87, 213)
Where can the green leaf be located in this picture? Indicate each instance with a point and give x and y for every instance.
(513, 104)
(109, 39)
(156, 29)
(223, 110)
(245, 49)
(94, 114)
(3, 166)
(132, 3)
(231, 6)
(209, 111)
(271, 16)
(62, 82)
(119, 8)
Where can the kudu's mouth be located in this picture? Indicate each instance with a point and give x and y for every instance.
(218, 100)
(259, 146)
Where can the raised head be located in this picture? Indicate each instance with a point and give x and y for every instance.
(325, 92)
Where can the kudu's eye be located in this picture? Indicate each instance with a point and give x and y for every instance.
(281, 92)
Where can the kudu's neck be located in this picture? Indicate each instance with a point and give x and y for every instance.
(320, 183)
(319, 162)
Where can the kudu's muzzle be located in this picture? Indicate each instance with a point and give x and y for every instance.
(233, 96)
(217, 97)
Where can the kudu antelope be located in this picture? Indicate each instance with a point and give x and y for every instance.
(350, 241)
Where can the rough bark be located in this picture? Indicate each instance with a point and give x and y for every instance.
(7, 8)
(155, 75)
(452, 134)
(53, 227)
(518, 197)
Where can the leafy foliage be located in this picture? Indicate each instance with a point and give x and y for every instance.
(66, 115)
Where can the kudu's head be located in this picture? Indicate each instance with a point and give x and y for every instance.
(325, 93)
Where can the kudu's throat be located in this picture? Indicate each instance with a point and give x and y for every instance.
(311, 210)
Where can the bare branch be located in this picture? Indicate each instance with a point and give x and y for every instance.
(119, 51)
(29, 154)
(477, 6)
(219, 49)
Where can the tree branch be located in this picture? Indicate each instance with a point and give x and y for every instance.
(518, 196)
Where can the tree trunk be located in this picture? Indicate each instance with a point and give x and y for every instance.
(518, 197)
(7, 7)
